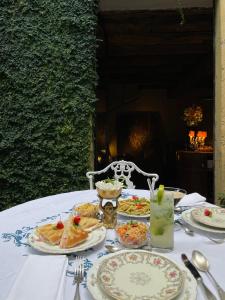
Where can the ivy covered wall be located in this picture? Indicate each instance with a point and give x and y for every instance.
(47, 96)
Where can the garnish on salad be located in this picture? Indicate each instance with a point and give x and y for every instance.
(207, 212)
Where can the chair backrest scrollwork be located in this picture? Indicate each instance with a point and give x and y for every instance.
(122, 170)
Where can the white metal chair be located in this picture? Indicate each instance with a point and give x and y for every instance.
(122, 170)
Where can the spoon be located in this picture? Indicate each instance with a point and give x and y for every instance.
(186, 229)
(113, 249)
(201, 262)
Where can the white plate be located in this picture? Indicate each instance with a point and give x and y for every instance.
(188, 292)
(133, 215)
(186, 216)
(94, 238)
(217, 218)
(140, 275)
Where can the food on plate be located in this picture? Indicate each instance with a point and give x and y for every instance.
(89, 224)
(132, 234)
(73, 234)
(68, 234)
(207, 212)
(134, 206)
(109, 188)
(87, 210)
(50, 233)
(60, 225)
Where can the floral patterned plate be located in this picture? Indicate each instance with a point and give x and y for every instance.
(95, 237)
(216, 217)
(140, 275)
(187, 217)
(189, 291)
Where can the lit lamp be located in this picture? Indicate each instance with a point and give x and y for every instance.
(191, 134)
(192, 137)
(201, 136)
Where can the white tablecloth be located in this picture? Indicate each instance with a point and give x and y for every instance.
(16, 223)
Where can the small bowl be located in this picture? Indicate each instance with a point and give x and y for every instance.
(129, 237)
(109, 194)
(178, 193)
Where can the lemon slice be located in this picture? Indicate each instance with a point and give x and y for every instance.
(160, 193)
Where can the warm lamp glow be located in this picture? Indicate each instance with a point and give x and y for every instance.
(198, 141)
(191, 133)
(202, 134)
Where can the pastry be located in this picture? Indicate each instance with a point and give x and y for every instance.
(89, 224)
(50, 233)
(87, 210)
(73, 234)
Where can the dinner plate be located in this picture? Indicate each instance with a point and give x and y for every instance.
(186, 216)
(188, 292)
(94, 238)
(132, 215)
(140, 275)
(216, 219)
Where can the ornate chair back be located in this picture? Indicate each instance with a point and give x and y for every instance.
(122, 170)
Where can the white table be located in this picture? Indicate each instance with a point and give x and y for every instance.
(16, 223)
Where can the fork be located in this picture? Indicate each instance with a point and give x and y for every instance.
(78, 275)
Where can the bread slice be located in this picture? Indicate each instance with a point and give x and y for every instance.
(72, 235)
(50, 233)
(89, 224)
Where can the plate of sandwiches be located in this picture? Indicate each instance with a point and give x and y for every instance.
(75, 234)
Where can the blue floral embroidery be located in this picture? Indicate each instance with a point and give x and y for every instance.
(19, 237)
(112, 242)
(125, 195)
(103, 253)
(87, 265)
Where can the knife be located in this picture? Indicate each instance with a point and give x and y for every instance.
(209, 295)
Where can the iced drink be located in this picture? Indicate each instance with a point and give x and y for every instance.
(162, 220)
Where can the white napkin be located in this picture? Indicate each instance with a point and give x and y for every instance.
(41, 278)
(191, 199)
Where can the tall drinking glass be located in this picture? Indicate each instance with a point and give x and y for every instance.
(162, 221)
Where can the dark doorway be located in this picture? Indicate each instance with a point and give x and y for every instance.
(151, 68)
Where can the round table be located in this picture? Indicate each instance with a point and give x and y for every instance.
(17, 222)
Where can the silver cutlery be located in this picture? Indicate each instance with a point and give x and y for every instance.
(113, 249)
(191, 232)
(179, 209)
(186, 229)
(208, 294)
(202, 263)
(216, 240)
(78, 275)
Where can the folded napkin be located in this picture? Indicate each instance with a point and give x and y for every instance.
(41, 278)
(191, 199)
